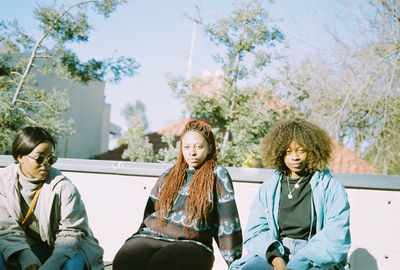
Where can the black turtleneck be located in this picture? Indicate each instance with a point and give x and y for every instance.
(294, 218)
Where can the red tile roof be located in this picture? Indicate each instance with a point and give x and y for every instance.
(345, 161)
(175, 128)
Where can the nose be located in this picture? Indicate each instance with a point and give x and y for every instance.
(46, 162)
(192, 152)
(294, 155)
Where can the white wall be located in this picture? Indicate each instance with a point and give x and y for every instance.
(115, 204)
(115, 194)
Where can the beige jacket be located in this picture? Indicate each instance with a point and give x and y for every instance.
(62, 220)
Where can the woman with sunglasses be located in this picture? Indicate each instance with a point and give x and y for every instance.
(43, 221)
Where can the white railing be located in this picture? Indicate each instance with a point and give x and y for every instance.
(115, 194)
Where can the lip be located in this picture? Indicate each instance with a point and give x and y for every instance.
(295, 164)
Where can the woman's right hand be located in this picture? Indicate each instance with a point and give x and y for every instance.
(32, 267)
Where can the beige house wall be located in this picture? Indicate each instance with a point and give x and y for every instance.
(90, 113)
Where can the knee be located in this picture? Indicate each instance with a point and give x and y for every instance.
(121, 259)
(257, 263)
(122, 254)
(126, 254)
(76, 263)
(2, 262)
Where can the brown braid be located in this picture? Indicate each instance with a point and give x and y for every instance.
(199, 202)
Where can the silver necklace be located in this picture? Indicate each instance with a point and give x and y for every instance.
(296, 186)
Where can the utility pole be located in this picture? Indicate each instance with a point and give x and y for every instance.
(189, 68)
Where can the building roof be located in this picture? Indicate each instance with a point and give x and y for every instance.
(115, 130)
(345, 161)
(175, 128)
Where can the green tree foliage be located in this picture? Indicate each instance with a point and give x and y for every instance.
(21, 102)
(246, 36)
(139, 147)
(168, 154)
(134, 113)
(241, 115)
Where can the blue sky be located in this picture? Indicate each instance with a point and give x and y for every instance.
(158, 35)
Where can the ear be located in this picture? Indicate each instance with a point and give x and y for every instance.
(20, 160)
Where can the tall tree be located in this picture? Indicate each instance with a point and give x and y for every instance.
(21, 102)
(168, 154)
(139, 147)
(355, 93)
(241, 114)
(134, 112)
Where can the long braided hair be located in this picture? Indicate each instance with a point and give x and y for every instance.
(199, 202)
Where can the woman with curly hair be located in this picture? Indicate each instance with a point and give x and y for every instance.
(190, 204)
(300, 216)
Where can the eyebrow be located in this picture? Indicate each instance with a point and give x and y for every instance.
(43, 153)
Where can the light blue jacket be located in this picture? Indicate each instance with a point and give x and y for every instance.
(327, 248)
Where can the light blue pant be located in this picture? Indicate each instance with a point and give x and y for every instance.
(292, 246)
(43, 253)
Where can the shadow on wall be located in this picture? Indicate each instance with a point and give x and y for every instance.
(362, 259)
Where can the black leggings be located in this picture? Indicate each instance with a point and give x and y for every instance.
(143, 253)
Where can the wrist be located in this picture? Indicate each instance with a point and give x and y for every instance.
(27, 258)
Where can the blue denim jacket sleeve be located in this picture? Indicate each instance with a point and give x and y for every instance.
(262, 230)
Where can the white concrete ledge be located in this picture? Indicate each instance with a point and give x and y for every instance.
(359, 181)
(115, 194)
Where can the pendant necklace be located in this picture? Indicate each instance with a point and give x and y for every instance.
(296, 186)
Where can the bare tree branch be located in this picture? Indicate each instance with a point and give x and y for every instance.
(38, 44)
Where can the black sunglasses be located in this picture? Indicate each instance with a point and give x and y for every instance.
(42, 158)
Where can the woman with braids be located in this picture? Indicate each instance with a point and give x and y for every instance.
(300, 216)
(190, 204)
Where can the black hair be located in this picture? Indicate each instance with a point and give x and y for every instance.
(28, 138)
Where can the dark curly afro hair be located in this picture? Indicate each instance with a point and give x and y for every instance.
(316, 142)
